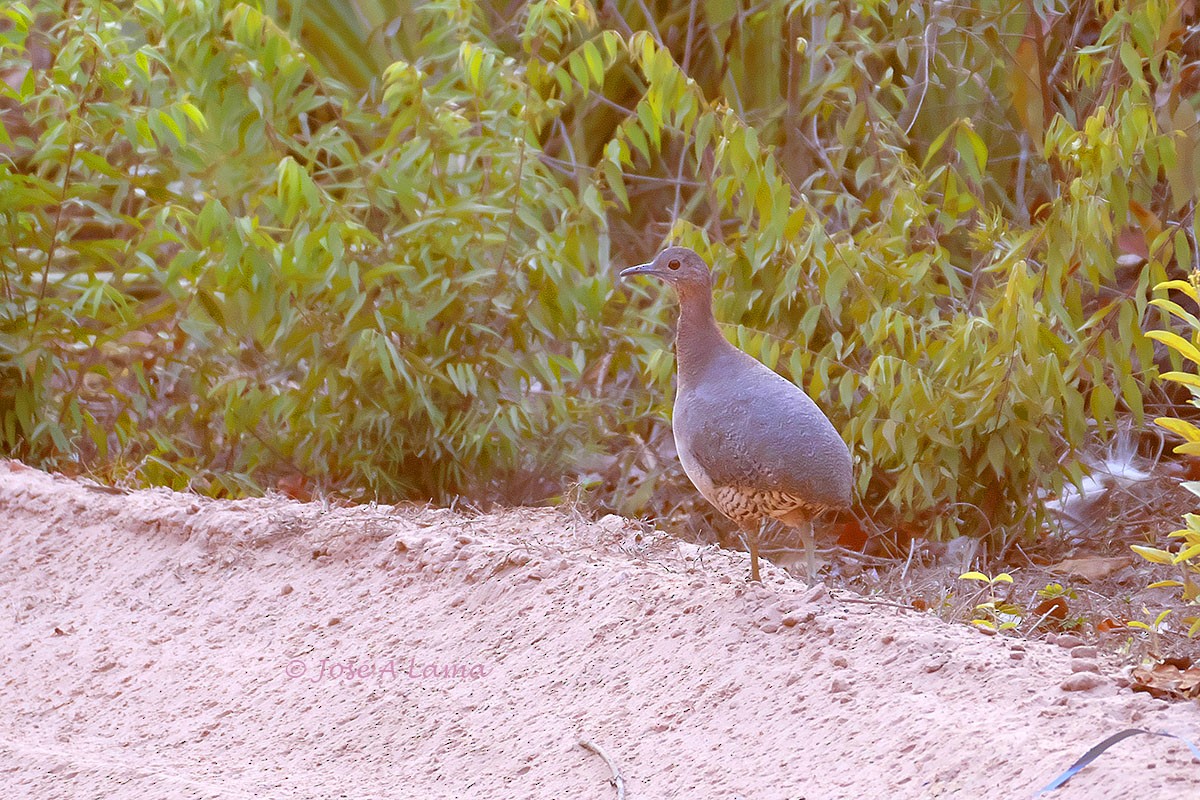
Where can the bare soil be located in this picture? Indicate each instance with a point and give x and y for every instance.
(162, 645)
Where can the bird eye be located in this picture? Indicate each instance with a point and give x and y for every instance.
(674, 264)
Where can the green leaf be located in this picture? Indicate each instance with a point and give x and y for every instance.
(193, 114)
(972, 152)
(1132, 61)
(594, 62)
(938, 143)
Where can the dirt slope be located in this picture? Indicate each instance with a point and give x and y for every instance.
(148, 644)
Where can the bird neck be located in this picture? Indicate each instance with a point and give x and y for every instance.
(698, 340)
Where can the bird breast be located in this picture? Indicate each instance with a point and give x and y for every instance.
(693, 467)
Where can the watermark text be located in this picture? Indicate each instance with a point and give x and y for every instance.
(355, 669)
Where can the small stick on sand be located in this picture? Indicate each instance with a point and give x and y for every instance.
(616, 779)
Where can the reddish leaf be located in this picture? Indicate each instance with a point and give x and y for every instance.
(851, 536)
(296, 487)
(1053, 608)
(1172, 678)
(1027, 81)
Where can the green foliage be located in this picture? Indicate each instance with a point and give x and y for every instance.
(1155, 628)
(1052, 591)
(225, 271)
(369, 243)
(1185, 560)
(995, 613)
(946, 284)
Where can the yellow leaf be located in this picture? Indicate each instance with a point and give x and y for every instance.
(1186, 378)
(1177, 310)
(1182, 286)
(1187, 554)
(1153, 554)
(1185, 429)
(1176, 343)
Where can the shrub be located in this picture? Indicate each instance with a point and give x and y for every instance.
(965, 323)
(222, 265)
(227, 272)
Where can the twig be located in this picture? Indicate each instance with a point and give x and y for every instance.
(612, 8)
(650, 24)
(868, 602)
(512, 217)
(1022, 203)
(912, 549)
(616, 779)
(572, 168)
(566, 138)
(72, 147)
(683, 148)
(922, 76)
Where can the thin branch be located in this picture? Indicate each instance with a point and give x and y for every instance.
(1020, 201)
(683, 148)
(9, 294)
(650, 23)
(616, 779)
(629, 112)
(735, 29)
(512, 216)
(922, 77)
(1082, 16)
(72, 146)
(611, 7)
(570, 168)
(868, 602)
(566, 138)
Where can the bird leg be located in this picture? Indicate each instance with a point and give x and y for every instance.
(810, 549)
(750, 539)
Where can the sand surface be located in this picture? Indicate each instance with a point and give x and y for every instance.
(160, 645)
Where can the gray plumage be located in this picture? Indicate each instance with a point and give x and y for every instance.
(754, 444)
(747, 425)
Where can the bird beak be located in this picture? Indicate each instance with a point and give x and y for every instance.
(640, 269)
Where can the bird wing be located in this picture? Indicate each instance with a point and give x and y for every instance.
(755, 430)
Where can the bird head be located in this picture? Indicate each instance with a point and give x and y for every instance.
(678, 266)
